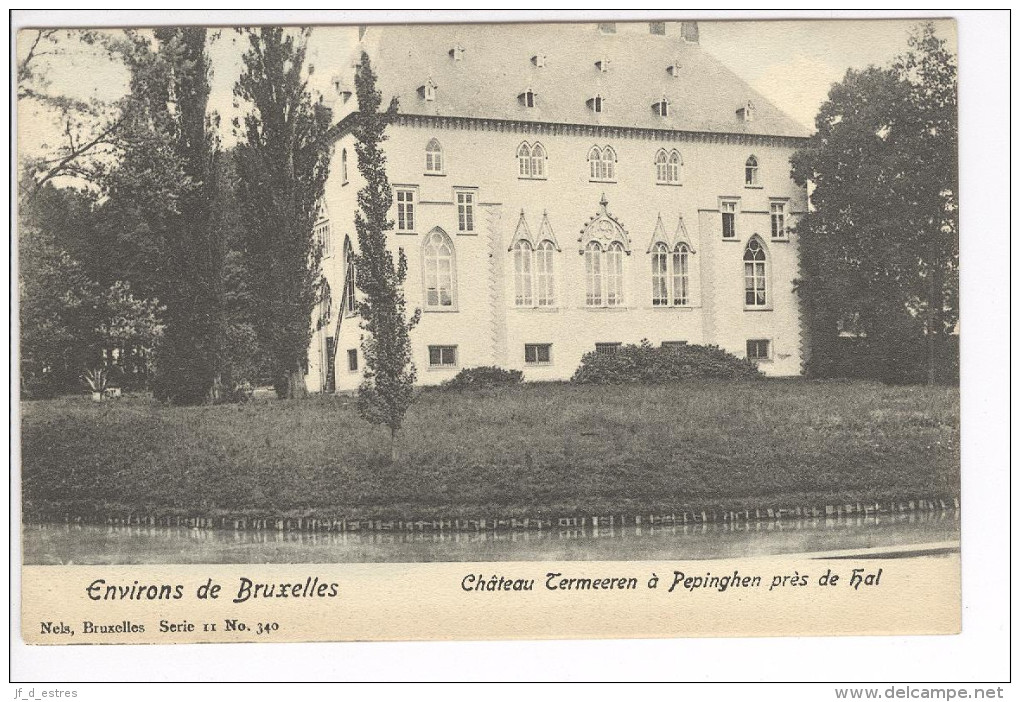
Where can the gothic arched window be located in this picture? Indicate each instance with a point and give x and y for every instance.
(608, 163)
(524, 160)
(545, 280)
(537, 161)
(755, 275)
(661, 167)
(681, 275)
(433, 157)
(751, 171)
(349, 276)
(440, 270)
(673, 169)
(595, 163)
(660, 275)
(522, 274)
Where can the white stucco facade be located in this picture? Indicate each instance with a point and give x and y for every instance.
(488, 321)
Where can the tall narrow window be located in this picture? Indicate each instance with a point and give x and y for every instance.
(662, 107)
(661, 167)
(755, 275)
(324, 238)
(544, 274)
(595, 163)
(537, 161)
(729, 218)
(660, 275)
(778, 211)
(349, 277)
(405, 210)
(614, 275)
(343, 167)
(522, 274)
(433, 157)
(524, 161)
(681, 275)
(673, 171)
(593, 274)
(527, 98)
(608, 163)
(465, 211)
(751, 171)
(439, 270)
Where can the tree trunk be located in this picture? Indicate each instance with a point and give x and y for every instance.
(296, 389)
(394, 445)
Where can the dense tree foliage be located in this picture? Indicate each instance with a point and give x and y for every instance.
(160, 205)
(282, 166)
(68, 318)
(387, 389)
(880, 248)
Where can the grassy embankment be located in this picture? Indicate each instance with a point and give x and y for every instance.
(533, 450)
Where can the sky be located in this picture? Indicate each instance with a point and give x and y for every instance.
(792, 63)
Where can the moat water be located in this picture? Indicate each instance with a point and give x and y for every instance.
(62, 544)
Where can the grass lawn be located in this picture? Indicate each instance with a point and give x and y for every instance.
(529, 450)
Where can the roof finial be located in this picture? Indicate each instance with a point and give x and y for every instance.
(604, 202)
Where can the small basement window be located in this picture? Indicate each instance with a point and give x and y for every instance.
(537, 354)
(607, 347)
(442, 356)
(759, 349)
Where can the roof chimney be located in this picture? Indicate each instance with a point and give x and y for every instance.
(689, 32)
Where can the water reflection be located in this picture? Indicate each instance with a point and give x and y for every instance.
(92, 544)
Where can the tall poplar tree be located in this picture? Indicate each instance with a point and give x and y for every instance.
(160, 200)
(388, 386)
(282, 166)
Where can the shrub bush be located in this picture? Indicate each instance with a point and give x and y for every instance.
(644, 363)
(484, 377)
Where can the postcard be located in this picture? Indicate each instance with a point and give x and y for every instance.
(620, 329)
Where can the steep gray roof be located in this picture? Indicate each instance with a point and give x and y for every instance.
(497, 67)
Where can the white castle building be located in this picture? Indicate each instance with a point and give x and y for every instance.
(560, 189)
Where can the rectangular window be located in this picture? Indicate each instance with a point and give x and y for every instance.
(607, 347)
(442, 356)
(352, 360)
(778, 211)
(324, 238)
(465, 211)
(405, 210)
(537, 354)
(758, 349)
(729, 219)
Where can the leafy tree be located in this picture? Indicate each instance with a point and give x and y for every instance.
(161, 194)
(282, 167)
(88, 128)
(67, 317)
(880, 248)
(387, 389)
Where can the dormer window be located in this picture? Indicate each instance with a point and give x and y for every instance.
(457, 53)
(746, 112)
(607, 27)
(527, 98)
(538, 60)
(661, 107)
(603, 65)
(341, 91)
(596, 104)
(428, 91)
(673, 69)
